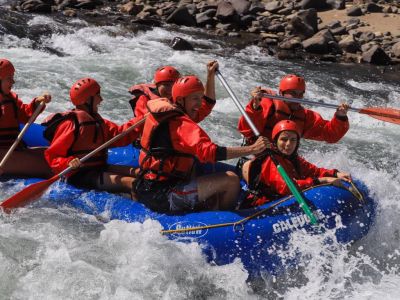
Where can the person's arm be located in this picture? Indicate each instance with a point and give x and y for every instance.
(212, 67)
(316, 128)
(321, 175)
(258, 112)
(141, 106)
(114, 129)
(188, 137)
(56, 153)
(209, 98)
(25, 111)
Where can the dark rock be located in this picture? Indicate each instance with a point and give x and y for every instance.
(276, 28)
(374, 8)
(88, 4)
(131, 8)
(339, 31)
(290, 43)
(317, 4)
(247, 20)
(354, 11)
(206, 17)
(336, 4)
(256, 7)
(241, 6)
(285, 11)
(349, 44)
(300, 28)
(274, 6)
(180, 44)
(334, 25)
(37, 6)
(353, 21)
(226, 13)
(181, 16)
(149, 21)
(321, 43)
(366, 37)
(376, 56)
(310, 18)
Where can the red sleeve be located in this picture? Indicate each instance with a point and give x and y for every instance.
(271, 178)
(141, 106)
(25, 111)
(310, 170)
(316, 128)
(188, 137)
(205, 109)
(56, 153)
(259, 117)
(114, 129)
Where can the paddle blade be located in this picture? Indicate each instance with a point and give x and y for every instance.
(391, 115)
(28, 194)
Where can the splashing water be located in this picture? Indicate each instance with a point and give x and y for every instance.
(49, 253)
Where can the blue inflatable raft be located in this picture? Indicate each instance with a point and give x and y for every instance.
(253, 235)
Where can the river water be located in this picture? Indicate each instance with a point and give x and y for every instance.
(60, 253)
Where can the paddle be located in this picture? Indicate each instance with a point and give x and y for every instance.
(34, 190)
(292, 187)
(37, 111)
(385, 114)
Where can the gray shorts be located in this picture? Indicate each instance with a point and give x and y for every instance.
(184, 197)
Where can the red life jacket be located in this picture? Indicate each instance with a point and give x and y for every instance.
(158, 159)
(281, 111)
(9, 125)
(258, 193)
(147, 89)
(89, 134)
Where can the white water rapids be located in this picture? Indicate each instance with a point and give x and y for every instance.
(60, 253)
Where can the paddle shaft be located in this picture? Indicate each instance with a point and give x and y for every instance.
(105, 145)
(37, 111)
(306, 101)
(292, 187)
(237, 103)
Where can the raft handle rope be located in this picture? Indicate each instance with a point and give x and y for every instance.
(239, 225)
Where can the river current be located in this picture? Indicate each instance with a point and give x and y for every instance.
(60, 253)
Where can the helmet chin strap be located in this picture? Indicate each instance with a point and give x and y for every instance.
(184, 104)
(89, 105)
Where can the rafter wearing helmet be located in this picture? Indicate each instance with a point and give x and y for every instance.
(14, 112)
(75, 133)
(265, 183)
(164, 78)
(266, 112)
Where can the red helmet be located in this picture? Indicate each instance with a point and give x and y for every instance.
(166, 73)
(292, 82)
(83, 89)
(285, 125)
(6, 68)
(185, 86)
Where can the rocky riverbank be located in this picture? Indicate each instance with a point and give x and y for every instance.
(330, 30)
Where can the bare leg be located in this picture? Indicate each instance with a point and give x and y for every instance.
(27, 163)
(115, 183)
(221, 188)
(122, 170)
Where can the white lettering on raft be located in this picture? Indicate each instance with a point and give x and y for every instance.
(183, 229)
(296, 222)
